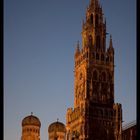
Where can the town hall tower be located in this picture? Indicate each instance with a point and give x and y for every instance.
(94, 116)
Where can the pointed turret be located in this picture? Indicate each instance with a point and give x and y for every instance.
(105, 22)
(94, 3)
(83, 23)
(110, 45)
(94, 27)
(77, 51)
(111, 49)
(78, 47)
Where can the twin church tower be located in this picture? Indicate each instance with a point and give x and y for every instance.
(94, 116)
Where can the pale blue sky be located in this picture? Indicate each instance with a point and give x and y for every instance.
(40, 37)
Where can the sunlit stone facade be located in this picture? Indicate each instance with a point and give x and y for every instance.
(31, 128)
(94, 116)
(57, 131)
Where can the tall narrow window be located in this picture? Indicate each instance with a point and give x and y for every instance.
(91, 18)
(95, 75)
(98, 41)
(107, 59)
(97, 56)
(103, 76)
(96, 20)
(90, 40)
(103, 44)
(111, 59)
(102, 57)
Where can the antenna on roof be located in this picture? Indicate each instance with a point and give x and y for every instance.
(31, 113)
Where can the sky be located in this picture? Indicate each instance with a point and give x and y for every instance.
(40, 37)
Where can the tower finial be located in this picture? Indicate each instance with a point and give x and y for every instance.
(110, 39)
(57, 119)
(31, 113)
(110, 36)
(77, 50)
(78, 43)
(92, 2)
(83, 23)
(105, 20)
(78, 46)
(110, 44)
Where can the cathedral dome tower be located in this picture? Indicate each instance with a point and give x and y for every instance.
(57, 131)
(31, 128)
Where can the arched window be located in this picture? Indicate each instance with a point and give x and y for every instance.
(97, 56)
(111, 113)
(100, 112)
(107, 59)
(111, 59)
(90, 40)
(91, 18)
(106, 113)
(103, 76)
(102, 57)
(98, 41)
(95, 75)
(109, 77)
(93, 55)
(87, 54)
(96, 20)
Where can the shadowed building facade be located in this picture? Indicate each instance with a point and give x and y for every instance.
(31, 128)
(94, 116)
(129, 131)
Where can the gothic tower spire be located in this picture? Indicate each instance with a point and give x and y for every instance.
(111, 44)
(95, 115)
(94, 27)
